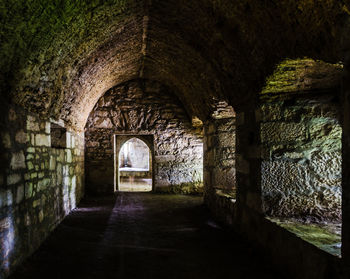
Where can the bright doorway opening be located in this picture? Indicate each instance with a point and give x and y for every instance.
(134, 166)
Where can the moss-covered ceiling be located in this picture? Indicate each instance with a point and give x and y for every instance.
(57, 57)
(302, 75)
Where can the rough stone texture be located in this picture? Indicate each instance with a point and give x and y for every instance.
(298, 75)
(143, 107)
(219, 158)
(57, 58)
(301, 168)
(53, 69)
(39, 186)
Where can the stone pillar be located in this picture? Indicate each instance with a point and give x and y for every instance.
(346, 168)
(208, 161)
(248, 162)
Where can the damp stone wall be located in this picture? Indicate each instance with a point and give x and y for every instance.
(220, 167)
(219, 158)
(143, 107)
(39, 185)
(301, 151)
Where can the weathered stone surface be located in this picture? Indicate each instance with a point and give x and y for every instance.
(13, 178)
(68, 156)
(220, 155)
(282, 132)
(301, 171)
(20, 194)
(129, 109)
(6, 140)
(28, 190)
(42, 140)
(32, 124)
(17, 161)
(21, 137)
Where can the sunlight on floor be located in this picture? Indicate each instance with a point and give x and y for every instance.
(134, 184)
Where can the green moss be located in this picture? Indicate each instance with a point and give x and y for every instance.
(38, 29)
(302, 74)
(325, 237)
(194, 188)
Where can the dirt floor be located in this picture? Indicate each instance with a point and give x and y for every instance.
(144, 235)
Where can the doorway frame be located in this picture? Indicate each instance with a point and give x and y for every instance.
(118, 141)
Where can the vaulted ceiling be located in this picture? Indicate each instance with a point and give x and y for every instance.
(57, 58)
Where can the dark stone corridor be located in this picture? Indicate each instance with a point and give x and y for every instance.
(144, 235)
(223, 112)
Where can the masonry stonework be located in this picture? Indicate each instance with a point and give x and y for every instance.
(38, 188)
(143, 107)
(301, 150)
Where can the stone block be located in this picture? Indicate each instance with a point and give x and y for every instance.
(68, 156)
(32, 139)
(42, 140)
(73, 141)
(43, 184)
(29, 157)
(17, 161)
(28, 190)
(20, 194)
(21, 137)
(68, 139)
(41, 216)
(324, 129)
(276, 132)
(47, 127)
(227, 139)
(326, 168)
(52, 163)
(31, 150)
(295, 113)
(6, 140)
(36, 203)
(13, 178)
(271, 112)
(30, 166)
(32, 124)
(103, 123)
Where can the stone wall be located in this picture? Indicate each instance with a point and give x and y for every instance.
(142, 107)
(219, 156)
(301, 167)
(39, 185)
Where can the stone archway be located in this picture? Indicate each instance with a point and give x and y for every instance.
(119, 141)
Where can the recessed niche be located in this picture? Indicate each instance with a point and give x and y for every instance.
(58, 136)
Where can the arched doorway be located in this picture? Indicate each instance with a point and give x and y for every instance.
(133, 165)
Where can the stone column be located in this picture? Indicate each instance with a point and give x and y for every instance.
(208, 161)
(248, 161)
(346, 167)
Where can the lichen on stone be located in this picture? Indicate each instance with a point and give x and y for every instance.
(304, 74)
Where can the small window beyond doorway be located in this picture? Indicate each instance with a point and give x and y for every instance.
(135, 166)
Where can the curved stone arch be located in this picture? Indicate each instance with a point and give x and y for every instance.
(76, 65)
(119, 141)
